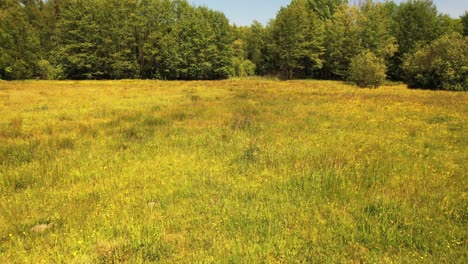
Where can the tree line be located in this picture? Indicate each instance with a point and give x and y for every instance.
(365, 42)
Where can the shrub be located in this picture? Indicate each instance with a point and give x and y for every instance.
(367, 70)
(46, 71)
(17, 70)
(243, 68)
(442, 65)
(248, 68)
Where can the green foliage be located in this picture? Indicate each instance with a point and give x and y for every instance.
(248, 68)
(110, 39)
(448, 25)
(19, 43)
(183, 42)
(353, 30)
(18, 69)
(298, 36)
(325, 8)
(341, 41)
(155, 41)
(172, 39)
(243, 68)
(260, 48)
(46, 71)
(442, 65)
(94, 41)
(79, 39)
(367, 70)
(255, 46)
(417, 23)
(375, 25)
(464, 21)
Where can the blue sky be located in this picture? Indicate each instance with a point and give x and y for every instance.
(243, 12)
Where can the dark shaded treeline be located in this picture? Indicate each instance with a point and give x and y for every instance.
(170, 39)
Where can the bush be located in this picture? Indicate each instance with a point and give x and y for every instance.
(367, 70)
(243, 68)
(248, 68)
(46, 71)
(442, 65)
(17, 70)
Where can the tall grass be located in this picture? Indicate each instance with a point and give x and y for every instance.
(241, 171)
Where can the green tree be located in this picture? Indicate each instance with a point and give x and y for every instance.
(117, 39)
(255, 47)
(177, 41)
(326, 8)
(154, 38)
(219, 28)
(367, 70)
(442, 65)
(353, 30)
(19, 43)
(341, 41)
(447, 25)
(203, 45)
(113, 39)
(464, 21)
(39, 17)
(78, 40)
(242, 66)
(298, 35)
(417, 23)
(375, 29)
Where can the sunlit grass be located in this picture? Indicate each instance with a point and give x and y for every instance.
(241, 171)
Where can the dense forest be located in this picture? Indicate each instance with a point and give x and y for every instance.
(170, 39)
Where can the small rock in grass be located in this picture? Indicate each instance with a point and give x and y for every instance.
(41, 228)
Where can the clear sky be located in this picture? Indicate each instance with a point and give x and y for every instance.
(243, 12)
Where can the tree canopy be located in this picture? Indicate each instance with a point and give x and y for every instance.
(172, 39)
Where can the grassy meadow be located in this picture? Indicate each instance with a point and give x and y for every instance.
(236, 171)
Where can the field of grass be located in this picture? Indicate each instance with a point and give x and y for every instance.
(238, 171)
